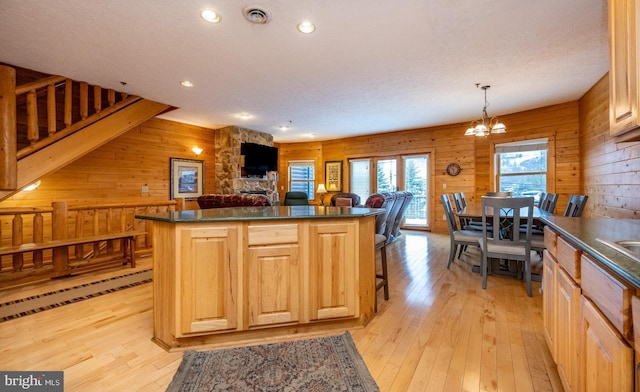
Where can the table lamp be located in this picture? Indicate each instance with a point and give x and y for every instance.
(321, 190)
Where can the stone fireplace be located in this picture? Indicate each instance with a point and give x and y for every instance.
(228, 163)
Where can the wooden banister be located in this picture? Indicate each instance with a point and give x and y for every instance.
(35, 85)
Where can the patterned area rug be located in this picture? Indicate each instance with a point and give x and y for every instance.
(317, 365)
(54, 299)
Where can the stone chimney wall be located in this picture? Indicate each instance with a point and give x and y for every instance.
(228, 162)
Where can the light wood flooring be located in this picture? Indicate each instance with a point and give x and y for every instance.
(440, 331)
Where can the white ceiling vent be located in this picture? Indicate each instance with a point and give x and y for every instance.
(256, 15)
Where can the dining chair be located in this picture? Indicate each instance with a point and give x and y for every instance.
(459, 239)
(541, 198)
(575, 205)
(515, 246)
(548, 204)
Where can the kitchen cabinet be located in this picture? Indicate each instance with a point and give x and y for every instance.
(209, 280)
(332, 280)
(273, 275)
(221, 281)
(606, 359)
(549, 274)
(624, 92)
(568, 324)
(586, 315)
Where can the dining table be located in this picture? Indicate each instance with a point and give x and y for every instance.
(473, 212)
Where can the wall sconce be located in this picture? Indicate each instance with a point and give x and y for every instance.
(197, 150)
(33, 186)
(321, 191)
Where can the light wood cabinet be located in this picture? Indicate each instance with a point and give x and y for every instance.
(229, 283)
(273, 275)
(208, 280)
(549, 308)
(568, 325)
(273, 285)
(333, 286)
(623, 70)
(606, 359)
(586, 316)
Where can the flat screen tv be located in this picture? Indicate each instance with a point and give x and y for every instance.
(258, 159)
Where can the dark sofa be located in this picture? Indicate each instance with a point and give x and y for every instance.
(233, 200)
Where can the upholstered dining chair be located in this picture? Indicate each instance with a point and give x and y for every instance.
(459, 239)
(517, 245)
(296, 199)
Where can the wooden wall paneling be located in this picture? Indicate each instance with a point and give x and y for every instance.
(117, 171)
(609, 169)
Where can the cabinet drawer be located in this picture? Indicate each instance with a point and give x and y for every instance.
(550, 240)
(611, 296)
(272, 234)
(569, 258)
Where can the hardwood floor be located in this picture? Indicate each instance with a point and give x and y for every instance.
(440, 331)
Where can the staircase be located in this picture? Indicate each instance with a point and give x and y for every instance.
(47, 122)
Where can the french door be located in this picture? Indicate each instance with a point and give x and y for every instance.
(393, 173)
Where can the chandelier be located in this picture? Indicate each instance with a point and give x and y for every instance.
(485, 125)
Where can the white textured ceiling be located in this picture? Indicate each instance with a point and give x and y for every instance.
(371, 66)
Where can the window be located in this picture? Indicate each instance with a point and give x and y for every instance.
(521, 167)
(387, 175)
(360, 180)
(302, 177)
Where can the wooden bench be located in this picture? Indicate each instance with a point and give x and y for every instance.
(60, 255)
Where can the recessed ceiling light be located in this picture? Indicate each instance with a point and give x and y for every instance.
(306, 27)
(245, 116)
(283, 127)
(210, 16)
(186, 83)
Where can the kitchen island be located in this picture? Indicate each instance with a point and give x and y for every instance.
(233, 276)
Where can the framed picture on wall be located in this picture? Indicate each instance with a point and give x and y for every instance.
(333, 176)
(187, 178)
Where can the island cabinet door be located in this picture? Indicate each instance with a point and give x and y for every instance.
(273, 285)
(549, 308)
(333, 271)
(606, 359)
(208, 281)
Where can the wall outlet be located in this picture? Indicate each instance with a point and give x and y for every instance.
(144, 189)
(444, 185)
(444, 217)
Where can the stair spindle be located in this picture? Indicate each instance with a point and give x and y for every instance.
(33, 133)
(68, 102)
(18, 258)
(38, 236)
(97, 98)
(51, 109)
(84, 100)
(111, 97)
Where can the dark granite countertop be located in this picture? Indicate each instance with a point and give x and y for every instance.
(239, 214)
(583, 232)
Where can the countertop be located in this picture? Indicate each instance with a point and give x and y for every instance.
(583, 232)
(260, 213)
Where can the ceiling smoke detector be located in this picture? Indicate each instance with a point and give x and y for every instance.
(256, 15)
